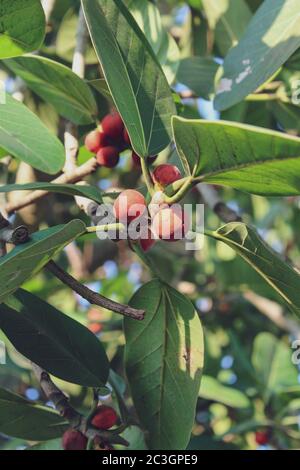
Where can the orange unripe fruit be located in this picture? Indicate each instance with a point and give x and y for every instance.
(113, 126)
(93, 141)
(105, 417)
(74, 440)
(166, 174)
(171, 224)
(95, 328)
(129, 205)
(108, 157)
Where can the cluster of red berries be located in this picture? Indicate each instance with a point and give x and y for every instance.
(112, 139)
(169, 223)
(104, 417)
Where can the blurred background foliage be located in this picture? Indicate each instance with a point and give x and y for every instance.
(250, 383)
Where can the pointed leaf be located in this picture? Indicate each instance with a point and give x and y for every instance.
(271, 38)
(252, 159)
(26, 260)
(58, 344)
(58, 85)
(253, 249)
(164, 360)
(198, 74)
(22, 27)
(135, 79)
(90, 192)
(272, 361)
(24, 136)
(27, 420)
(148, 17)
(212, 389)
(228, 19)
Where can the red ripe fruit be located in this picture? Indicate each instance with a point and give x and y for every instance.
(108, 157)
(129, 205)
(166, 174)
(113, 126)
(137, 161)
(93, 141)
(171, 224)
(261, 437)
(147, 243)
(74, 440)
(105, 417)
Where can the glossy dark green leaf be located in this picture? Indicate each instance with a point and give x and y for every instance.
(271, 38)
(24, 136)
(57, 343)
(26, 260)
(57, 85)
(22, 27)
(135, 79)
(90, 192)
(248, 158)
(27, 420)
(164, 360)
(198, 74)
(279, 274)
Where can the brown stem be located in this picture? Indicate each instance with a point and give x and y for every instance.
(66, 410)
(211, 198)
(80, 172)
(93, 297)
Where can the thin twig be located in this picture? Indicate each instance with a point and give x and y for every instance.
(66, 410)
(71, 132)
(48, 6)
(274, 312)
(212, 199)
(93, 297)
(79, 172)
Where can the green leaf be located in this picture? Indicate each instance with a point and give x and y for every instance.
(271, 38)
(24, 136)
(27, 420)
(198, 74)
(22, 27)
(286, 114)
(101, 86)
(135, 437)
(26, 260)
(164, 360)
(248, 158)
(212, 389)
(66, 39)
(58, 344)
(148, 17)
(133, 74)
(90, 192)
(228, 19)
(58, 85)
(280, 275)
(271, 359)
